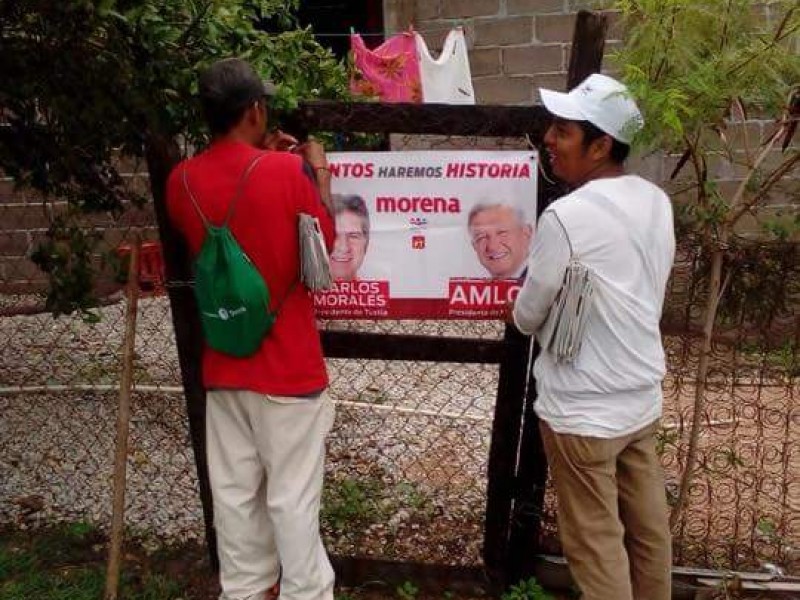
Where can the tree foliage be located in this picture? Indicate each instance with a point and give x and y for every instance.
(701, 69)
(87, 83)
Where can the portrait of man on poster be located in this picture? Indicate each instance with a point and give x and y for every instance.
(501, 238)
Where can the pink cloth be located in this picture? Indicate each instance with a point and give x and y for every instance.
(390, 72)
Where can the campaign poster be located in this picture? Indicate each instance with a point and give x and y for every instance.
(429, 234)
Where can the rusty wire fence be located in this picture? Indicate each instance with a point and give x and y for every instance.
(743, 508)
(406, 475)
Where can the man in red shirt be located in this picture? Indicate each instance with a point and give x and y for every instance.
(268, 414)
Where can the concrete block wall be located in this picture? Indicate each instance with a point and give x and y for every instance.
(25, 219)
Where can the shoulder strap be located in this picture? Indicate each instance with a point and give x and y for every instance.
(564, 230)
(232, 205)
(279, 306)
(240, 188)
(206, 224)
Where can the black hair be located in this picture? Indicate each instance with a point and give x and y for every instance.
(227, 89)
(619, 150)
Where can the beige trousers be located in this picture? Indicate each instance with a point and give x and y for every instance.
(612, 514)
(265, 460)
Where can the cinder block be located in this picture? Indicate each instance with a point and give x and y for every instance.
(535, 7)
(555, 28)
(7, 193)
(503, 32)
(17, 217)
(737, 135)
(22, 269)
(426, 9)
(670, 163)
(460, 9)
(533, 59)
(783, 193)
(113, 238)
(136, 217)
(14, 243)
(484, 61)
(776, 159)
(576, 5)
(648, 167)
(139, 184)
(759, 16)
(724, 167)
(550, 82)
(504, 90)
(9, 286)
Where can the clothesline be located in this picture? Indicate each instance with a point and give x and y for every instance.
(348, 34)
(382, 34)
(386, 33)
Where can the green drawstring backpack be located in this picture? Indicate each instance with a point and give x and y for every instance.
(231, 294)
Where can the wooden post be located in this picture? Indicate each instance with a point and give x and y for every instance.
(162, 154)
(531, 482)
(588, 45)
(503, 451)
(123, 426)
(517, 463)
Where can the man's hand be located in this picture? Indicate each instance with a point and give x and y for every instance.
(314, 153)
(278, 140)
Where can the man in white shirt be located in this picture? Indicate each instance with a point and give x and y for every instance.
(600, 411)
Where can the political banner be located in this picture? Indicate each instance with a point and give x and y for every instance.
(429, 234)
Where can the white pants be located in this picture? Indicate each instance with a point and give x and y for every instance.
(265, 461)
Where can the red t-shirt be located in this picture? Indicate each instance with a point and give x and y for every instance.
(264, 223)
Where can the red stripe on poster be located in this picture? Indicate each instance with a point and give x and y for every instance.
(470, 299)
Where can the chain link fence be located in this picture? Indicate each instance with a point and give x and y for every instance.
(406, 475)
(407, 456)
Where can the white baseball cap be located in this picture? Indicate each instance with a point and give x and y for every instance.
(601, 100)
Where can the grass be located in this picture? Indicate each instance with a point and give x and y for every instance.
(353, 504)
(527, 590)
(67, 562)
